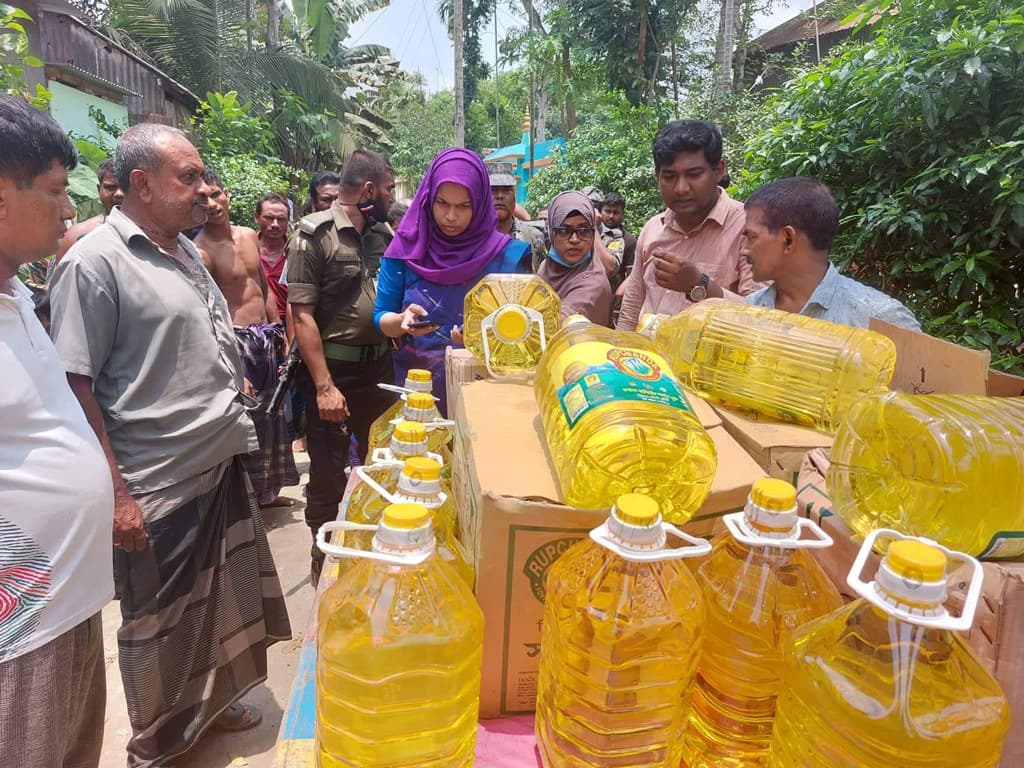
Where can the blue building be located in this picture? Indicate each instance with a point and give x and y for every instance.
(518, 155)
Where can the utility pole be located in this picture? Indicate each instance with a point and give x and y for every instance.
(460, 94)
(497, 91)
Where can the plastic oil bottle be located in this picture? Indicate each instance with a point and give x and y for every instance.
(508, 321)
(886, 681)
(759, 584)
(419, 482)
(949, 467)
(617, 421)
(416, 380)
(421, 407)
(784, 365)
(621, 635)
(399, 648)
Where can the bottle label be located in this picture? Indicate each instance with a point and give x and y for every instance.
(1004, 545)
(595, 373)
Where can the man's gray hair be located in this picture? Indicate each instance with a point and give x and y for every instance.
(137, 149)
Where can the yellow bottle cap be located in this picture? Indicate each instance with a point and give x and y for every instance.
(410, 432)
(511, 324)
(420, 375)
(405, 516)
(773, 495)
(636, 509)
(420, 400)
(915, 560)
(422, 468)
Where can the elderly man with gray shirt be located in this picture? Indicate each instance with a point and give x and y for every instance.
(146, 339)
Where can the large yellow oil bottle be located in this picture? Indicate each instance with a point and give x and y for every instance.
(416, 380)
(949, 467)
(617, 421)
(759, 584)
(508, 321)
(399, 648)
(621, 636)
(782, 364)
(886, 681)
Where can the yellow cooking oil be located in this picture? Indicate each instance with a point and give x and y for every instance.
(949, 467)
(759, 583)
(416, 380)
(784, 365)
(622, 631)
(399, 649)
(508, 321)
(886, 680)
(421, 407)
(617, 421)
(419, 481)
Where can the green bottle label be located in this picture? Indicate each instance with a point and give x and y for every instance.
(1004, 545)
(624, 375)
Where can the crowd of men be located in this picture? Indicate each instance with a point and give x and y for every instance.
(141, 419)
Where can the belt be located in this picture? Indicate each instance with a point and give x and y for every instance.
(349, 353)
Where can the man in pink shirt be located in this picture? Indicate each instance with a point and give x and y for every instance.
(691, 250)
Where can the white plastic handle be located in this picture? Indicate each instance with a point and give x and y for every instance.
(364, 475)
(742, 532)
(402, 390)
(412, 557)
(695, 547)
(383, 458)
(487, 324)
(939, 619)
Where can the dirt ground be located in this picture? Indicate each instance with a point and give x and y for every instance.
(289, 540)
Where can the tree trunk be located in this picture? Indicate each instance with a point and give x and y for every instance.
(273, 25)
(570, 102)
(248, 26)
(725, 47)
(458, 21)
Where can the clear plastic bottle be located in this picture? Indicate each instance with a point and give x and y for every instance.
(787, 366)
(617, 421)
(759, 584)
(399, 648)
(949, 467)
(886, 681)
(508, 321)
(416, 380)
(419, 482)
(621, 635)
(421, 407)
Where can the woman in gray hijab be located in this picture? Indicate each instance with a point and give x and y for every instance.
(571, 267)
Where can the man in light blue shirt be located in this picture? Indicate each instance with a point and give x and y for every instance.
(789, 231)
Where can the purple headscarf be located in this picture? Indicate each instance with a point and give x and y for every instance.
(429, 252)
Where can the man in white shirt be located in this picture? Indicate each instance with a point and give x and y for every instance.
(56, 492)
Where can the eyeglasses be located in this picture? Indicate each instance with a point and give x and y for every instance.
(566, 233)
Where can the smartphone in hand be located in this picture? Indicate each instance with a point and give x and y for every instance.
(422, 324)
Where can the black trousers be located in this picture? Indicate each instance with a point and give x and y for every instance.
(328, 442)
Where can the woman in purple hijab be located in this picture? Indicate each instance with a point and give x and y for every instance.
(446, 242)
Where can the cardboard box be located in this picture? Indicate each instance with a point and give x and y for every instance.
(460, 367)
(998, 632)
(779, 448)
(514, 526)
(926, 365)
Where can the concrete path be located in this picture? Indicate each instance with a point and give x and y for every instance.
(289, 540)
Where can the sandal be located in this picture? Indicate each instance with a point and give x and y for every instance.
(238, 717)
(280, 501)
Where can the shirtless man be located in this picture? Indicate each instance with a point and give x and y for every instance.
(232, 256)
(272, 218)
(110, 195)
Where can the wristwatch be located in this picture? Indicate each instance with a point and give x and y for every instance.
(699, 292)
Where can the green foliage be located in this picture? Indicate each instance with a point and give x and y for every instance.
(247, 178)
(612, 150)
(239, 147)
(14, 57)
(920, 135)
(421, 126)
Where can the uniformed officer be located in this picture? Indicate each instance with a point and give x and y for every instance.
(503, 192)
(332, 266)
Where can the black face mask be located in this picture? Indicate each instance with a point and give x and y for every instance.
(373, 211)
